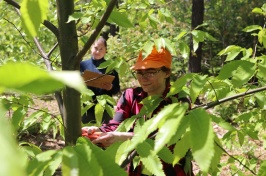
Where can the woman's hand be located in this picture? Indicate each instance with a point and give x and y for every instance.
(106, 139)
(89, 130)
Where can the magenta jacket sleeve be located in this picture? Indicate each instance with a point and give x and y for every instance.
(123, 111)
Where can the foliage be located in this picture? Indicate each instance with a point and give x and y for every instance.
(176, 124)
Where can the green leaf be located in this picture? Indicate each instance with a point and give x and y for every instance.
(216, 158)
(181, 34)
(105, 161)
(222, 123)
(247, 53)
(184, 49)
(70, 163)
(195, 44)
(33, 13)
(87, 161)
(261, 37)
(264, 39)
(69, 78)
(262, 170)
(109, 99)
(229, 49)
(257, 10)
(99, 160)
(237, 71)
(251, 133)
(260, 99)
(232, 55)
(150, 103)
(153, 19)
(54, 164)
(32, 119)
(165, 43)
(197, 85)
(11, 156)
(169, 126)
(149, 159)
(99, 113)
(252, 28)
(117, 150)
(241, 137)
(120, 18)
(110, 110)
(28, 78)
(198, 35)
(178, 85)
(147, 49)
(123, 68)
(222, 88)
(165, 14)
(182, 147)
(31, 149)
(126, 124)
(45, 123)
(201, 138)
(166, 155)
(36, 168)
(74, 17)
(245, 117)
(262, 67)
(18, 117)
(151, 125)
(183, 127)
(45, 163)
(210, 37)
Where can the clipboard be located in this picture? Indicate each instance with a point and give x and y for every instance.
(94, 79)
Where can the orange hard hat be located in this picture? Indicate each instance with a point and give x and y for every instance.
(156, 59)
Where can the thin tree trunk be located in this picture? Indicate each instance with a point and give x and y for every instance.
(68, 44)
(194, 65)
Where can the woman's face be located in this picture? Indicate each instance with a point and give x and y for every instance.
(98, 50)
(152, 80)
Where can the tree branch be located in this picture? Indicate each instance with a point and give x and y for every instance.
(48, 64)
(215, 103)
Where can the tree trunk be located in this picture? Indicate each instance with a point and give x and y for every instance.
(194, 65)
(68, 45)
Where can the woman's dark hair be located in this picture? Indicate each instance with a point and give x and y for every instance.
(102, 40)
(166, 70)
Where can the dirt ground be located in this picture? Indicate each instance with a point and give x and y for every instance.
(44, 141)
(47, 142)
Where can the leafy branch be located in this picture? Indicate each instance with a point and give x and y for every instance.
(218, 102)
(133, 153)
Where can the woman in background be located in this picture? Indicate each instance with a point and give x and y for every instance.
(98, 51)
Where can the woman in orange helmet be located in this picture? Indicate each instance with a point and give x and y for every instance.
(153, 74)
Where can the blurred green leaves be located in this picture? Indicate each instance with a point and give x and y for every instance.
(33, 13)
(27, 78)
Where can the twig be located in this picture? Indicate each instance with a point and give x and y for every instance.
(215, 103)
(231, 156)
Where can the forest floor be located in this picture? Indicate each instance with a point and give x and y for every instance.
(47, 142)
